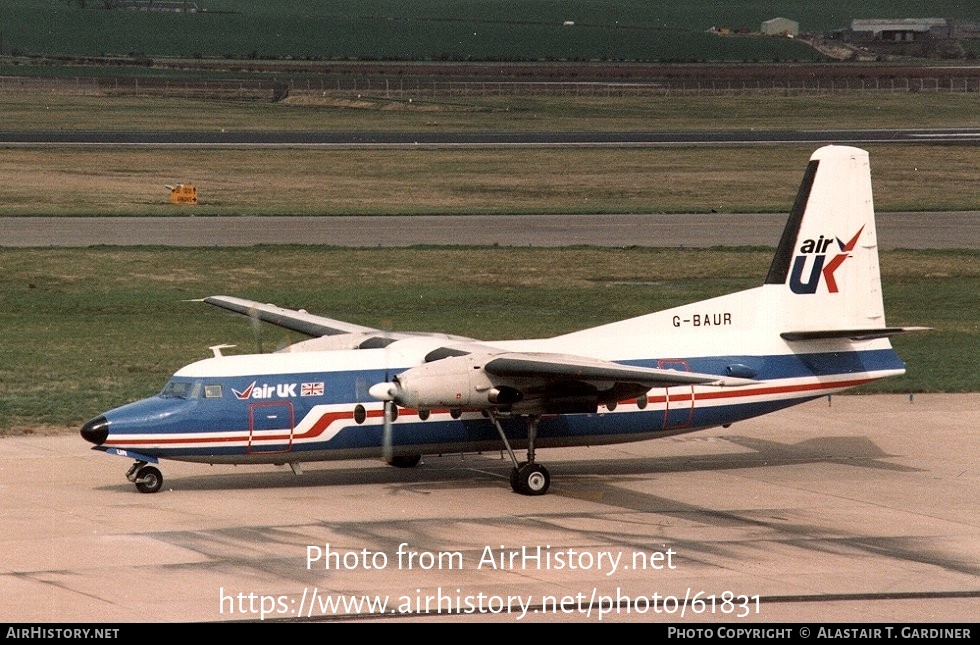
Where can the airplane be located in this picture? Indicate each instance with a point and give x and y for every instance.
(816, 326)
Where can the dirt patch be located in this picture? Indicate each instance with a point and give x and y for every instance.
(364, 103)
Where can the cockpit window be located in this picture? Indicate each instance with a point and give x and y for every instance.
(181, 389)
(212, 391)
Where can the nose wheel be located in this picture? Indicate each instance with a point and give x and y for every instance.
(148, 479)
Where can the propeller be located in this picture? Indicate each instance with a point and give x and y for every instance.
(389, 413)
(387, 391)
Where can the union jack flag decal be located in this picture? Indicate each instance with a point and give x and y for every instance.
(311, 389)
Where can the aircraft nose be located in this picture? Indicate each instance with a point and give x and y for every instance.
(96, 431)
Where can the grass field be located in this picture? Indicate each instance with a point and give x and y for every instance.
(379, 30)
(130, 181)
(126, 181)
(69, 110)
(495, 30)
(88, 329)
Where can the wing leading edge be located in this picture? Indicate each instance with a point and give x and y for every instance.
(326, 333)
(531, 382)
(564, 366)
(296, 320)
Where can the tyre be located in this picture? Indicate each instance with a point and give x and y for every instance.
(149, 479)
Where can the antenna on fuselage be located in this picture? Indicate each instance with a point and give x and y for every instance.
(216, 349)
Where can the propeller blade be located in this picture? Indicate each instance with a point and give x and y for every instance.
(386, 392)
(386, 451)
(256, 329)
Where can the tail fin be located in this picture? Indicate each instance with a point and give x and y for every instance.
(824, 282)
(827, 258)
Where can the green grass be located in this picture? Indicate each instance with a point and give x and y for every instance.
(759, 178)
(496, 30)
(473, 30)
(89, 329)
(67, 110)
(127, 181)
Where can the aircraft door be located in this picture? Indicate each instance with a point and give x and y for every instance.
(270, 427)
(680, 399)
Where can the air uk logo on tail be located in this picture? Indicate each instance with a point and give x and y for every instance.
(820, 268)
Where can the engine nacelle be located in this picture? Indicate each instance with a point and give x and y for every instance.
(454, 382)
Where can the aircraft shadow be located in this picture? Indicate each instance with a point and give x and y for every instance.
(606, 481)
(480, 470)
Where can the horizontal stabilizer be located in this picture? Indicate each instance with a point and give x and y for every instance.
(850, 334)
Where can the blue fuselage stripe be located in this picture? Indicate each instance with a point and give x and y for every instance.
(225, 426)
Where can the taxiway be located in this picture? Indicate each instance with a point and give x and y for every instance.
(850, 509)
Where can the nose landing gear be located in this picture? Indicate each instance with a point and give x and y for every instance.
(148, 479)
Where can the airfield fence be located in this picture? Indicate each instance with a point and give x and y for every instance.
(405, 88)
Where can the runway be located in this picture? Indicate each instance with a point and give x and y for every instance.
(934, 230)
(306, 138)
(850, 509)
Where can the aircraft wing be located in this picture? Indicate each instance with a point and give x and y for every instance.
(531, 382)
(566, 367)
(296, 320)
(326, 333)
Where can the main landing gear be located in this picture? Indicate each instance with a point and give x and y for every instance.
(404, 461)
(148, 479)
(527, 477)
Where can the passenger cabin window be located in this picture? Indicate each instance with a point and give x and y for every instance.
(213, 391)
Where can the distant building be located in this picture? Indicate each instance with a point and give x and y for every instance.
(897, 30)
(781, 27)
(156, 5)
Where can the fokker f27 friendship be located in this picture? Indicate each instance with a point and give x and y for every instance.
(816, 326)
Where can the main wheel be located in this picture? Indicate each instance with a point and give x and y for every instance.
(515, 476)
(530, 479)
(404, 461)
(148, 479)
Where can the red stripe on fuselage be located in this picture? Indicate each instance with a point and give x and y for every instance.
(327, 419)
